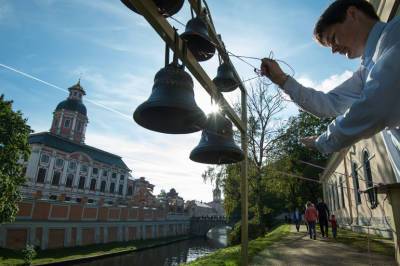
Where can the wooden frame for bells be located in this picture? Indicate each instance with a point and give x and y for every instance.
(160, 24)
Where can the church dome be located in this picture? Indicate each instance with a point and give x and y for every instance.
(72, 105)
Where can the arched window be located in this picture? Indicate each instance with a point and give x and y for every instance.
(70, 180)
(356, 184)
(368, 176)
(103, 186)
(112, 187)
(121, 187)
(93, 184)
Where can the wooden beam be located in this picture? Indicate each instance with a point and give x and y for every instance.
(164, 29)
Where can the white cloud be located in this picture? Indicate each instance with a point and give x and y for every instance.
(326, 84)
(163, 160)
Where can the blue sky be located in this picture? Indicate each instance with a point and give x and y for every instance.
(116, 54)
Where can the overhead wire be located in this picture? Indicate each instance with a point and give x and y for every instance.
(64, 90)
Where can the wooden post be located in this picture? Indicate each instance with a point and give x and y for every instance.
(244, 185)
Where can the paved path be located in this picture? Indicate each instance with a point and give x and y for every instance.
(299, 249)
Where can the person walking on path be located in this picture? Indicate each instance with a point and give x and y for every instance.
(323, 217)
(297, 218)
(311, 216)
(333, 225)
(367, 102)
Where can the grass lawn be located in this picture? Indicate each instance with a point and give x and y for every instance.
(231, 255)
(10, 257)
(359, 241)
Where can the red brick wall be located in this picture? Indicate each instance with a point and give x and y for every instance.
(124, 213)
(90, 213)
(41, 211)
(140, 213)
(56, 238)
(103, 214)
(59, 211)
(75, 212)
(88, 236)
(160, 231)
(133, 213)
(112, 234)
(113, 214)
(149, 232)
(25, 209)
(16, 238)
(132, 234)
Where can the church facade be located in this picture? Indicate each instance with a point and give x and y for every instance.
(76, 194)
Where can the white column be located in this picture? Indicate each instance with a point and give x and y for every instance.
(88, 178)
(105, 228)
(78, 236)
(67, 238)
(33, 163)
(72, 131)
(97, 234)
(64, 174)
(117, 183)
(76, 179)
(125, 184)
(49, 173)
(45, 237)
(58, 129)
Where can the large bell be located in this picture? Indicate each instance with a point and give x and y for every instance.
(216, 144)
(198, 40)
(171, 107)
(166, 7)
(225, 79)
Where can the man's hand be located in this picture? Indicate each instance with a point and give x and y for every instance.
(271, 69)
(309, 142)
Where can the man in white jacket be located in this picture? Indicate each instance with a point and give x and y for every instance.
(369, 101)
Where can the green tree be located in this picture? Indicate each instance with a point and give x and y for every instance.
(14, 146)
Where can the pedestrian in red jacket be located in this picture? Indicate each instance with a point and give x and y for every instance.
(311, 216)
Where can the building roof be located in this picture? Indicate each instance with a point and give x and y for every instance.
(63, 144)
(72, 105)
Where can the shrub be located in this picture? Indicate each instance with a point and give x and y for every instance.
(29, 253)
(255, 230)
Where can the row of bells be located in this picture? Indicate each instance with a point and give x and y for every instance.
(171, 107)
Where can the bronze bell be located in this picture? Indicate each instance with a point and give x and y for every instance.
(171, 107)
(198, 40)
(166, 7)
(225, 79)
(216, 144)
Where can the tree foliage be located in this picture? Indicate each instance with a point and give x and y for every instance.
(14, 146)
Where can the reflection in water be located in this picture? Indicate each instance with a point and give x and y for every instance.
(168, 255)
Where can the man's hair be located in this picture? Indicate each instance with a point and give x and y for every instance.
(336, 13)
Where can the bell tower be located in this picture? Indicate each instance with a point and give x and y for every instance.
(70, 116)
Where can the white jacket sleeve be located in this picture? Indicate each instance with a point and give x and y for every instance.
(330, 104)
(378, 107)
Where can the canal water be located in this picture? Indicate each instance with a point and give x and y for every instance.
(169, 255)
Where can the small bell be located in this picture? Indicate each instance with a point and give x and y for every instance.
(198, 40)
(166, 7)
(225, 79)
(216, 145)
